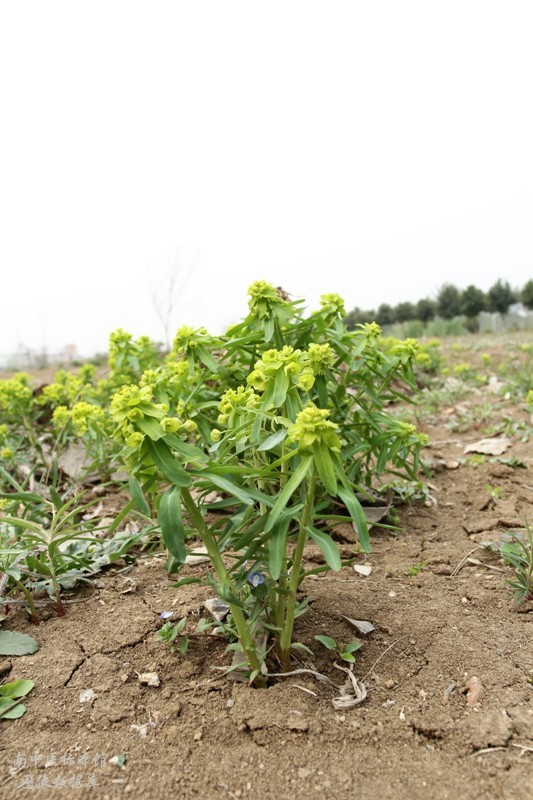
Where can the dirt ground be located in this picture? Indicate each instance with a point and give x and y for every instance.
(419, 734)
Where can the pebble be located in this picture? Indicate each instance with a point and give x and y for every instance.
(230, 703)
(389, 683)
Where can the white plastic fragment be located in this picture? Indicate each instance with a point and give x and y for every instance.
(362, 569)
(149, 678)
(362, 626)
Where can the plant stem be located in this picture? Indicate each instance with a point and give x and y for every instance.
(29, 599)
(243, 632)
(294, 581)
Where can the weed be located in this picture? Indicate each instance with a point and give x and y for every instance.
(518, 553)
(344, 651)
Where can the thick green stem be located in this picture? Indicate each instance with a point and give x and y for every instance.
(243, 632)
(294, 581)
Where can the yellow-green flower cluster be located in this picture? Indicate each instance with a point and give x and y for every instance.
(127, 358)
(372, 331)
(66, 389)
(132, 404)
(187, 338)
(312, 427)
(408, 432)
(15, 395)
(410, 347)
(333, 305)
(293, 362)
(321, 358)
(81, 415)
(264, 298)
(6, 454)
(234, 403)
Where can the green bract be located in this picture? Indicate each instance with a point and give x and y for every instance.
(313, 428)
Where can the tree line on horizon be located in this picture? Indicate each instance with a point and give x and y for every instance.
(449, 303)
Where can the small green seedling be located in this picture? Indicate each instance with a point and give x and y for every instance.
(518, 553)
(170, 632)
(345, 651)
(10, 706)
(414, 569)
(496, 492)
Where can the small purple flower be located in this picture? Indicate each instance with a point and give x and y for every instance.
(256, 578)
(166, 614)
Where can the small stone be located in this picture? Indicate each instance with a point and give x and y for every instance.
(87, 696)
(198, 735)
(389, 683)
(304, 772)
(149, 678)
(464, 601)
(230, 703)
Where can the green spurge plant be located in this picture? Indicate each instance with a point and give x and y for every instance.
(289, 425)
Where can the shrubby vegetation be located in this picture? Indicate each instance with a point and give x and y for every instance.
(449, 304)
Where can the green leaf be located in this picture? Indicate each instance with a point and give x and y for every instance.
(281, 387)
(26, 497)
(328, 547)
(172, 524)
(206, 358)
(9, 711)
(284, 496)
(16, 688)
(358, 516)
(25, 524)
(151, 427)
(273, 440)
(228, 486)
(55, 498)
(277, 546)
(348, 657)
(327, 641)
(352, 647)
(16, 644)
(185, 582)
(167, 463)
(322, 391)
(138, 496)
(300, 646)
(187, 452)
(325, 469)
(269, 329)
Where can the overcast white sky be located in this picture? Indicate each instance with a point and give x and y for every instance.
(375, 149)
